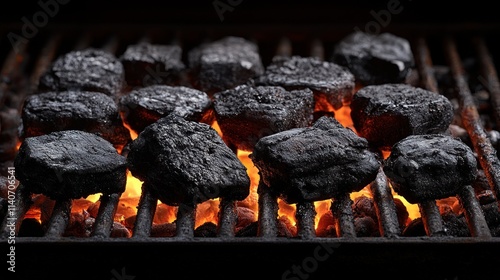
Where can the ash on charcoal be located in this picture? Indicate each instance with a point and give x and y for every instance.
(366, 227)
(429, 167)
(455, 225)
(186, 162)
(375, 58)
(89, 70)
(87, 111)
(144, 106)
(80, 224)
(70, 164)
(315, 163)
(224, 64)
(247, 113)
(332, 84)
(207, 229)
(385, 114)
(250, 230)
(164, 230)
(148, 64)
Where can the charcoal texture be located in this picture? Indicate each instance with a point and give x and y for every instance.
(428, 167)
(89, 70)
(186, 162)
(385, 114)
(93, 112)
(247, 113)
(315, 163)
(148, 64)
(144, 106)
(332, 84)
(375, 58)
(224, 64)
(70, 164)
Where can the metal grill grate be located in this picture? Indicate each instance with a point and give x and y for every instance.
(22, 67)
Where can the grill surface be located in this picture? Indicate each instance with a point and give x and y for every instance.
(435, 256)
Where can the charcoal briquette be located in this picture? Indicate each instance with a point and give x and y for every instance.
(93, 112)
(224, 64)
(186, 162)
(70, 164)
(147, 64)
(315, 163)
(332, 84)
(429, 167)
(247, 113)
(144, 106)
(375, 58)
(88, 69)
(385, 114)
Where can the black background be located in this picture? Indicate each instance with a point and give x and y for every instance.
(252, 12)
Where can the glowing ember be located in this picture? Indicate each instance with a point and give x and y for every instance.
(343, 115)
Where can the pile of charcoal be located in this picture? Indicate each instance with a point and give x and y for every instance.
(76, 139)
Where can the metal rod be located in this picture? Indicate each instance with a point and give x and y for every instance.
(473, 213)
(425, 65)
(145, 214)
(485, 151)
(111, 44)
(305, 215)
(16, 212)
(268, 212)
(186, 215)
(433, 222)
(385, 206)
(342, 209)
(59, 219)
(105, 217)
(227, 218)
(45, 58)
(489, 76)
(317, 49)
(284, 47)
(10, 69)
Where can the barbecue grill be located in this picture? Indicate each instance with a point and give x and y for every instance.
(466, 48)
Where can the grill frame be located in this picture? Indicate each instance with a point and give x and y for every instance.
(277, 254)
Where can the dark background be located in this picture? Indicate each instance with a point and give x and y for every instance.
(252, 12)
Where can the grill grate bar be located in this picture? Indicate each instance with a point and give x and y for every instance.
(473, 213)
(185, 221)
(45, 58)
(489, 76)
(385, 206)
(59, 219)
(431, 217)
(227, 218)
(105, 217)
(145, 214)
(342, 209)
(486, 152)
(268, 211)
(305, 215)
(21, 205)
